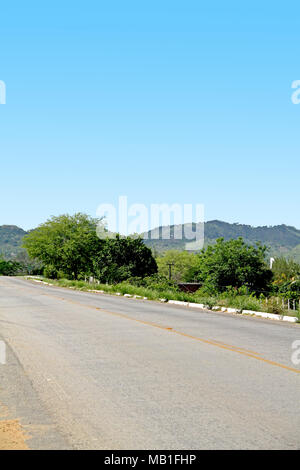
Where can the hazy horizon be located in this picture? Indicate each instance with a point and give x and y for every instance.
(153, 228)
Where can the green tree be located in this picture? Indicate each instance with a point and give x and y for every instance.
(287, 278)
(9, 268)
(285, 269)
(183, 265)
(65, 243)
(233, 263)
(123, 257)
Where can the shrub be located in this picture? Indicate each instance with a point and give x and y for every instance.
(50, 271)
(273, 306)
(233, 263)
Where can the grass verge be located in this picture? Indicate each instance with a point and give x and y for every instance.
(240, 302)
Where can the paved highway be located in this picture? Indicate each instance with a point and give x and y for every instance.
(94, 371)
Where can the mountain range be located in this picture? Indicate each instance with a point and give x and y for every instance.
(10, 240)
(281, 239)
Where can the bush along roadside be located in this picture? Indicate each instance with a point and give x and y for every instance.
(151, 289)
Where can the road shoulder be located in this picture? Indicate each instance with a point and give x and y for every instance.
(24, 424)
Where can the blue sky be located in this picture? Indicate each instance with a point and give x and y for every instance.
(162, 101)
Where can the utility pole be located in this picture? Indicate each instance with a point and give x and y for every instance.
(170, 270)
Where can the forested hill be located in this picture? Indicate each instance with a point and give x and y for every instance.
(10, 240)
(281, 239)
(281, 235)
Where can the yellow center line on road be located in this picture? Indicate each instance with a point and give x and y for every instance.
(218, 344)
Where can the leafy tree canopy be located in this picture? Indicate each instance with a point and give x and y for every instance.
(233, 263)
(9, 268)
(65, 243)
(123, 257)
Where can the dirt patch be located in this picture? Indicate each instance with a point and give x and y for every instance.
(12, 436)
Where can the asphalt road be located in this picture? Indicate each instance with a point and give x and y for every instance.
(93, 371)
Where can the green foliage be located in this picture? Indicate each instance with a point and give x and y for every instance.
(65, 243)
(282, 240)
(50, 272)
(127, 287)
(30, 266)
(154, 282)
(68, 246)
(123, 257)
(285, 269)
(9, 268)
(145, 288)
(290, 290)
(21, 264)
(235, 298)
(274, 306)
(183, 265)
(287, 278)
(233, 263)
